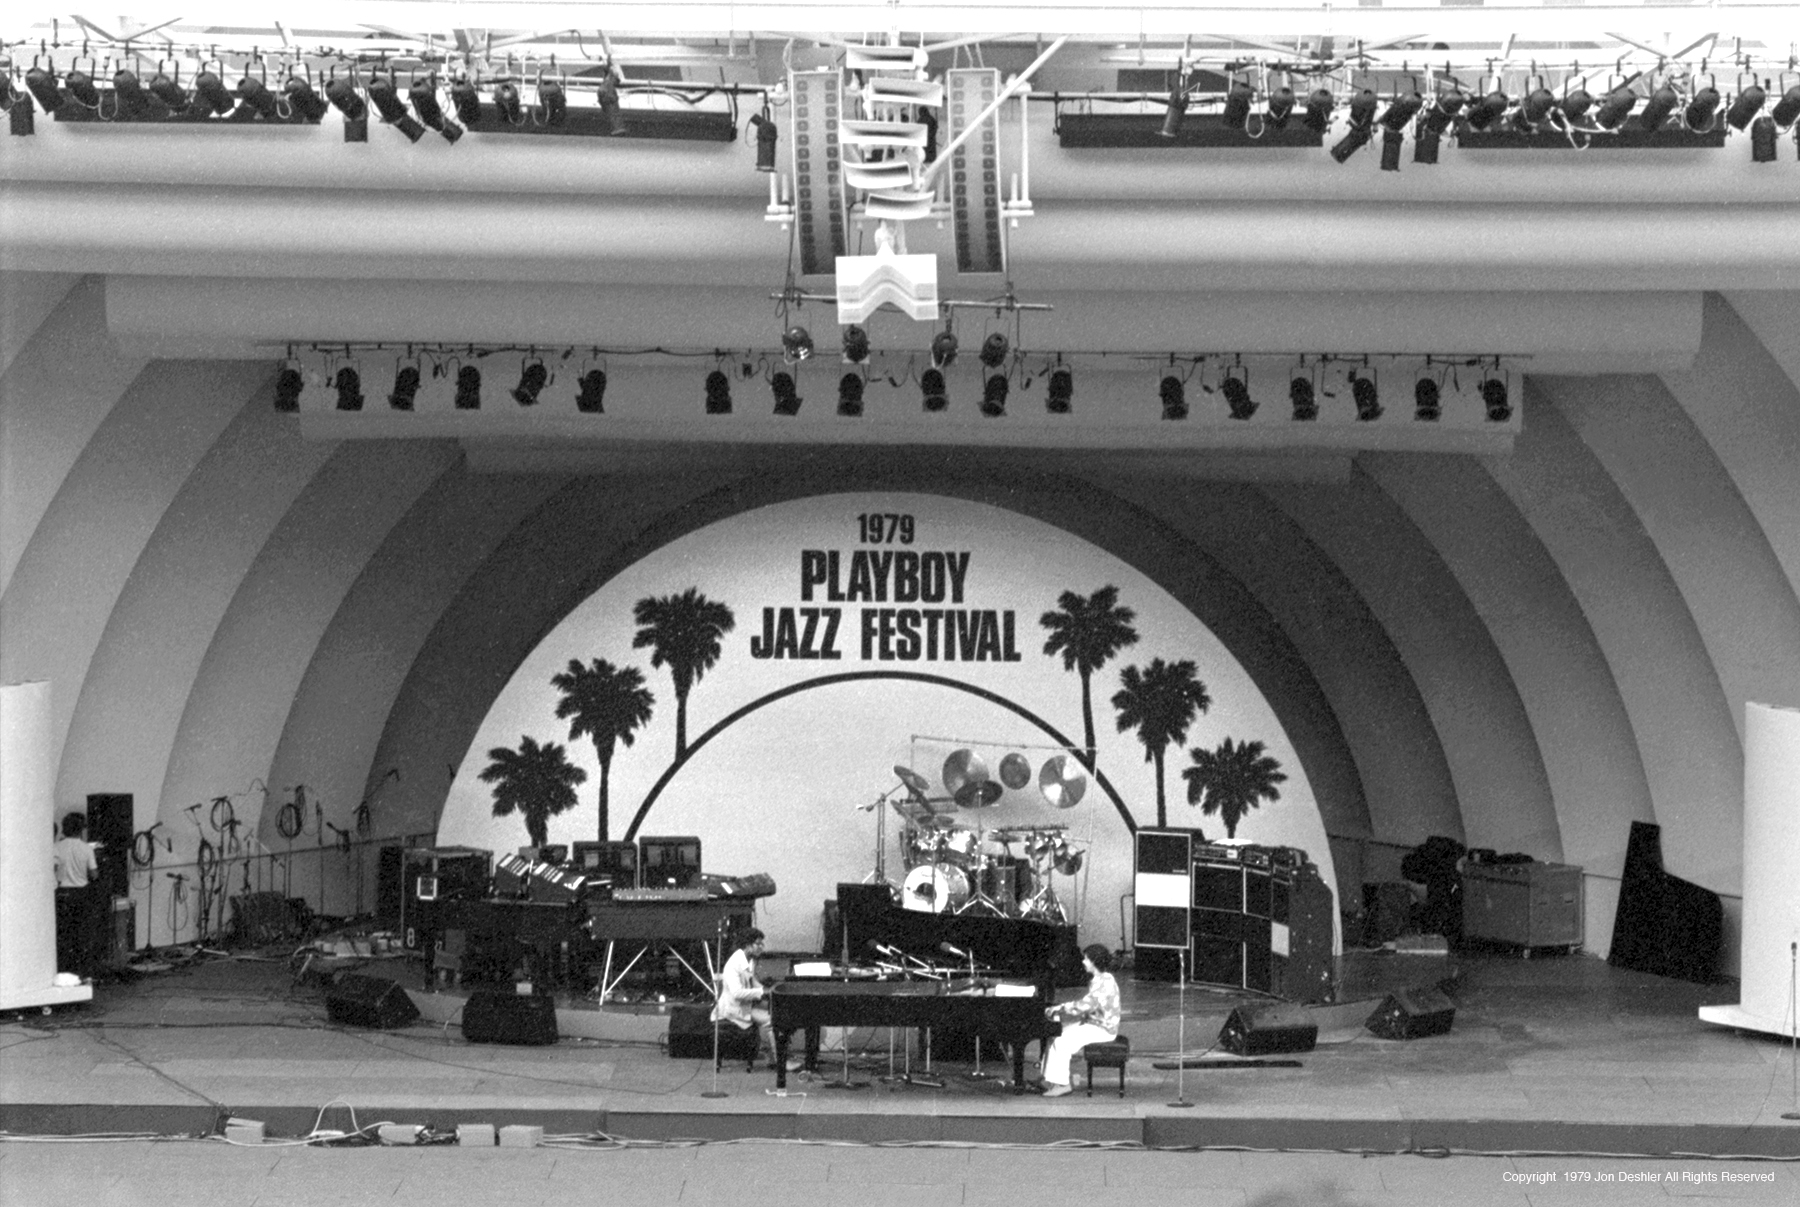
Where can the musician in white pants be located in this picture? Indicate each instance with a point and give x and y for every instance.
(1090, 1019)
(740, 995)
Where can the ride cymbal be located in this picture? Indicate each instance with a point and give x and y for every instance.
(962, 768)
(1062, 781)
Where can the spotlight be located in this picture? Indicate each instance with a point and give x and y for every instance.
(856, 345)
(1702, 111)
(467, 100)
(1059, 396)
(1362, 126)
(1426, 400)
(1534, 110)
(1391, 141)
(943, 348)
(796, 344)
(1367, 398)
(1493, 396)
(1318, 111)
(255, 98)
(1486, 111)
(211, 97)
(993, 396)
(133, 100)
(993, 351)
(81, 87)
(288, 385)
(168, 89)
(1305, 400)
(386, 99)
(1402, 111)
(1281, 107)
(592, 398)
(932, 390)
(342, 94)
(1443, 110)
(305, 100)
(1237, 397)
(1748, 104)
(1174, 397)
(1576, 102)
(1237, 105)
(1176, 113)
(850, 396)
(424, 98)
(468, 388)
(1762, 140)
(718, 393)
(532, 380)
(768, 134)
(349, 389)
(555, 102)
(787, 396)
(1662, 102)
(1785, 111)
(506, 101)
(42, 84)
(610, 111)
(1616, 108)
(406, 388)
(1425, 144)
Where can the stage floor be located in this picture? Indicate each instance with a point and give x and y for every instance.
(1552, 1055)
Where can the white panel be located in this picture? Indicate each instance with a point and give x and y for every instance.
(1163, 889)
(27, 885)
(1771, 926)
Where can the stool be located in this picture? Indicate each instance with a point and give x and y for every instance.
(735, 1041)
(1109, 1055)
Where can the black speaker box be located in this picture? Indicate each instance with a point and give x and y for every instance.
(1260, 1029)
(369, 1001)
(496, 1016)
(1413, 1014)
(109, 825)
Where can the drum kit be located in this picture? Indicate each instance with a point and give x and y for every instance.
(953, 868)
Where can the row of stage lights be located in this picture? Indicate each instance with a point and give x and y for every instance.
(1305, 387)
(1578, 115)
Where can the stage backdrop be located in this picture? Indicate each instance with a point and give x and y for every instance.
(868, 631)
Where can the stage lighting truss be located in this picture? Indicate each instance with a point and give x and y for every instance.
(1334, 401)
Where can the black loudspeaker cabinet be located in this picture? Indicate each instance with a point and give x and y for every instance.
(499, 1016)
(109, 824)
(669, 862)
(1161, 890)
(614, 861)
(1264, 1028)
(1413, 1014)
(369, 1001)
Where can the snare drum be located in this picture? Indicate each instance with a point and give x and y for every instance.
(958, 847)
(935, 888)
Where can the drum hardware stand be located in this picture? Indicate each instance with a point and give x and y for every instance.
(1181, 1099)
(979, 897)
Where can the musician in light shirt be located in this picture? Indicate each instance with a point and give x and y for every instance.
(739, 991)
(1090, 1019)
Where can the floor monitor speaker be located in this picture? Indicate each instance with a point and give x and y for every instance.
(1258, 1030)
(369, 1001)
(500, 1016)
(1413, 1014)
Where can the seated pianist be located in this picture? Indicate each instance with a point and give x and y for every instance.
(1090, 1019)
(739, 991)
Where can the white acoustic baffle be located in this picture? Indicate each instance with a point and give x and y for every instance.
(1771, 890)
(27, 883)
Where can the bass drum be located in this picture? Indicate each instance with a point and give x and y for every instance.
(935, 888)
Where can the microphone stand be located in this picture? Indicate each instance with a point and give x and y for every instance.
(1181, 1098)
(718, 990)
(1793, 1033)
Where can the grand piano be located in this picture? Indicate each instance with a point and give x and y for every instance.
(1008, 1011)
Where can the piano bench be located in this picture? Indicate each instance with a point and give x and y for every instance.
(1110, 1055)
(736, 1041)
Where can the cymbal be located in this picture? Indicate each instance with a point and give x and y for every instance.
(1015, 770)
(978, 794)
(915, 783)
(1062, 781)
(962, 768)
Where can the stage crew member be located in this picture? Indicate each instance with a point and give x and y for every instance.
(78, 899)
(1090, 1019)
(739, 991)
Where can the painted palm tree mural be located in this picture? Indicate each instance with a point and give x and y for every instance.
(1087, 632)
(608, 704)
(537, 782)
(683, 631)
(1160, 702)
(1232, 780)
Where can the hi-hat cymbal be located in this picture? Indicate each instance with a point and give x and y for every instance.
(962, 768)
(915, 783)
(1062, 781)
(978, 794)
(1015, 770)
